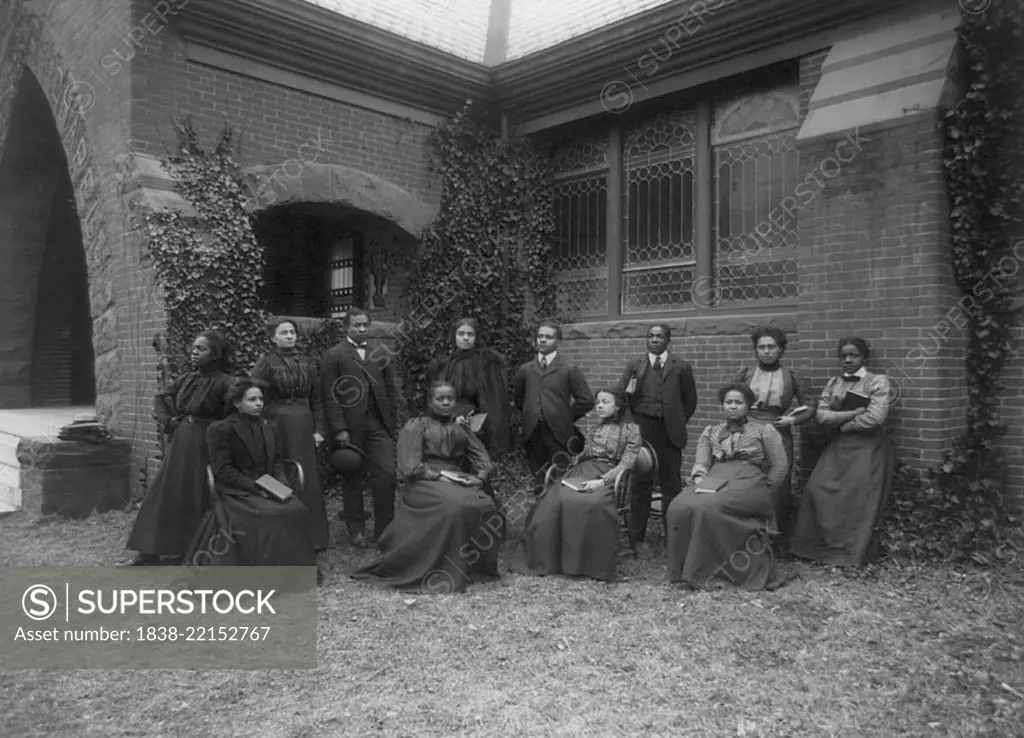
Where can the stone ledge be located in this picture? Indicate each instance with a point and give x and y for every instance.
(703, 325)
(73, 479)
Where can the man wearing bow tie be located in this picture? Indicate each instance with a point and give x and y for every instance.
(552, 395)
(662, 395)
(360, 393)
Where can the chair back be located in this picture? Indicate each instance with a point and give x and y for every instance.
(646, 461)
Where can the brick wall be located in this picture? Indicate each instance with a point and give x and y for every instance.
(273, 125)
(875, 262)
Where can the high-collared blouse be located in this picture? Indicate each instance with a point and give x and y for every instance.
(291, 378)
(199, 393)
(753, 442)
(428, 442)
(774, 390)
(875, 386)
(615, 443)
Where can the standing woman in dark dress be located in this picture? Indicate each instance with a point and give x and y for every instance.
(178, 497)
(846, 494)
(293, 403)
(775, 388)
(478, 375)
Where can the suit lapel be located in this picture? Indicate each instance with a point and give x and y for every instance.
(245, 437)
(641, 369)
(268, 444)
(672, 362)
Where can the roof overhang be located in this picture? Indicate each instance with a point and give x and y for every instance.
(675, 46)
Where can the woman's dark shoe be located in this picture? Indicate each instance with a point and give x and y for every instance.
(144, 560)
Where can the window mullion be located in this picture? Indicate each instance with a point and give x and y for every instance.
(614, 222)
(703, 182)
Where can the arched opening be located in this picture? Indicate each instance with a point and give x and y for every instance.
(46, 349)
(322, 258)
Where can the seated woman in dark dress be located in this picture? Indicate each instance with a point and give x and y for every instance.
(718, 528)
(576, 531)
(846, 494)
(446, 532)
(264, 531)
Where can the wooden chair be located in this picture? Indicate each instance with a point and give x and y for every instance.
(646, 466)
(299, 474)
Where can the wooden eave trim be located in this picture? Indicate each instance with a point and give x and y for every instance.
(576, 72)
(307, 39)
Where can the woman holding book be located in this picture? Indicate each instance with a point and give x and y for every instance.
(447, 532)
(294, 406)
(846, 493)
(481, 387)
(573, 529)
(776, 389)
(178, 496)
(254, 520)
(718, 529)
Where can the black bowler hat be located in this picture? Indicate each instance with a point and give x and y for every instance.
(347, 459)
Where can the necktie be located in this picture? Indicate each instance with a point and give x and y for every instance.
(657, 364)
(543, 362)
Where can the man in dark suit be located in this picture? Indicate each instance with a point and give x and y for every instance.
(553, 395)
(360, 393)
(662, 395)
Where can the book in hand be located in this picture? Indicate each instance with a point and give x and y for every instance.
(705, 486)
(797, 410)
(274, 488)
(854, 400)
(457, 477)
(476, 422)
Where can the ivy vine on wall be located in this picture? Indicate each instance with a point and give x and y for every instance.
(486, 256)
(208, 262)
(960, 513)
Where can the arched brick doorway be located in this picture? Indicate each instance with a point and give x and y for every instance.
(46, 346)
(333, 237)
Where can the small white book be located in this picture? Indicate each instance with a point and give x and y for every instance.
(274, 488)
(476, 422)
(457, 477)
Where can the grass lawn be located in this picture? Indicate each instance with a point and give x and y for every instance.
(891, 651)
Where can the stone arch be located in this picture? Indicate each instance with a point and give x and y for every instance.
(295, 181)
(44, 119)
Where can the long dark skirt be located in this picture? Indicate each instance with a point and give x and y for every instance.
(844, 501)
(721, 539)
(444, 537)
(295, 426)
(178, 497)
(245, 529)
(569, 532)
